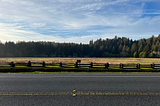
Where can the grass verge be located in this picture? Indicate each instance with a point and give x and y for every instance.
(7, 69)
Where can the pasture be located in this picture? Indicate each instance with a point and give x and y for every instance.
(83, 60)
(53, 64)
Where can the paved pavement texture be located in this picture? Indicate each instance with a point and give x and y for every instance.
(91, 89)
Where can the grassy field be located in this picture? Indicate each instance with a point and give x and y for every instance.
(130, 65)
(83, 60)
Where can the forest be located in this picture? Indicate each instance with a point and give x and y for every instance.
(116, 47)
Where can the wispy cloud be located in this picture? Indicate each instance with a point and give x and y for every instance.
(77, 20)
(17, 2)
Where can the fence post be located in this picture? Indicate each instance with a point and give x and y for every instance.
(121, 65)
(29, 64)
(43, 64)
(91, 65)
(138, 66)
(152, 65)
(106, 65)
(12, 64)
(60, 64)
(76, 64)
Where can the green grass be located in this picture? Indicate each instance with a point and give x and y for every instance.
(4, 64)
(70, 69)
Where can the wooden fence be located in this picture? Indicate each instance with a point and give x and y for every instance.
(91, 65)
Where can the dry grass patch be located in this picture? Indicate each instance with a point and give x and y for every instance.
(83, 60)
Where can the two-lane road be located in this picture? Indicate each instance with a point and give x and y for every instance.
(56, 89)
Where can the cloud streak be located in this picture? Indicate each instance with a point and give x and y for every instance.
(77, 20)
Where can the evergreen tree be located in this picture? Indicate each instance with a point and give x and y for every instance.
(113, 50)
(124, 49)
(120, 48)
(146, 48)
(140, 48)
(136, 54)
(128, 50)
(143, 54)
(133, 48)
(96, 48)
(151, 55)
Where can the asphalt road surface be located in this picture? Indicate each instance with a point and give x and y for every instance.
(92, 89)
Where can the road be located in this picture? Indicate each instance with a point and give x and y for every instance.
(92, 89)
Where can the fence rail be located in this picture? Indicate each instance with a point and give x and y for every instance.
(91, 65)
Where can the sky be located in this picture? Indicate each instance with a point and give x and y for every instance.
(78, 21)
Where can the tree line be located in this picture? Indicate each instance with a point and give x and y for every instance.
(116, 47)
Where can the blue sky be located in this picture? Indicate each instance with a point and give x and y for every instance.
(78, 21)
